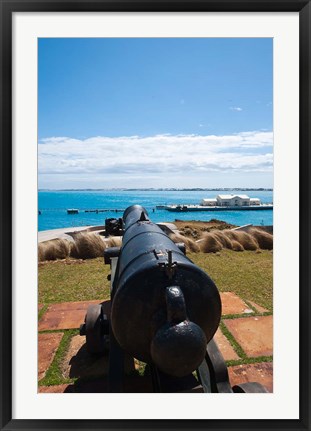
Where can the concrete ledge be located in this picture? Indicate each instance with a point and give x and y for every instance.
(66, 233)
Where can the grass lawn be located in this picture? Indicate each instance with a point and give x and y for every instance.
(248, 274)
(84, 280)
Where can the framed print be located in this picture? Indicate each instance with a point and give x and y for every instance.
(128, 128)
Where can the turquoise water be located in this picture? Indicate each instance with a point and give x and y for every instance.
(53, 206)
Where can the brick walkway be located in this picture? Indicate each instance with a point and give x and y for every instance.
(245, 335)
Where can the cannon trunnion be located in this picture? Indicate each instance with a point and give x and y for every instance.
(164, 311)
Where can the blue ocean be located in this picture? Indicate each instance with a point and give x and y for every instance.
(53, 206)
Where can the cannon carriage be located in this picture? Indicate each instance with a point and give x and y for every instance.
(164, 311)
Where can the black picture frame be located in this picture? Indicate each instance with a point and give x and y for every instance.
(8, 7)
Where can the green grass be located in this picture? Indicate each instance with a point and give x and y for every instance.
(42, 311)
(60, 282)
(53, 375)
(248, 274)
(236, 346)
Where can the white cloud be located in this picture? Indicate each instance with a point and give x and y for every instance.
(236, 108)
(155, 156)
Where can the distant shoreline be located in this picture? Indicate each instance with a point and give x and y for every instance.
(172, 189)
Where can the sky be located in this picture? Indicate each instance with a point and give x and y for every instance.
(186, 112)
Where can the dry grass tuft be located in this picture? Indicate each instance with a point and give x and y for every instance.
(236, 246)
(190, 232)
(114, 241)
(87, 246)
(90, 245)
(189, 243)
(53, 249)
(246, 240)
(253, 240)
(264, 239)
(223, 239)
(210, 243)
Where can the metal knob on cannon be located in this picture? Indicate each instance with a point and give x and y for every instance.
(179, 346)
(165, 311)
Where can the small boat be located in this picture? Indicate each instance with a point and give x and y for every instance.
(72, 211)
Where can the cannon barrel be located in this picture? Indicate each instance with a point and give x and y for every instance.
(165, 309)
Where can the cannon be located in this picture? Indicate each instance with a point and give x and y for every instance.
(113, 226)
(164, 311)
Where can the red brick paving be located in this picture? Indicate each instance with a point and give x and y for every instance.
(67, 315)
(259, 308)
(78, 363)
(260, 372)
(232, 304)
(254, 334)
(224, 346)
(47, 346)
(70, 315)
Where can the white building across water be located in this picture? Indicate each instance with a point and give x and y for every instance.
(231, 201)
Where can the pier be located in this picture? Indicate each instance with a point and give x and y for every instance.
(101, 210)
(189, 208)
(104, 210)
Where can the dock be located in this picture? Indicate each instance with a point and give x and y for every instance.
(104, 210)
(223, 203)
(189, 208)
(101, 210)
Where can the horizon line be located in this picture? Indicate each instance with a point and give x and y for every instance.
(159, 189)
